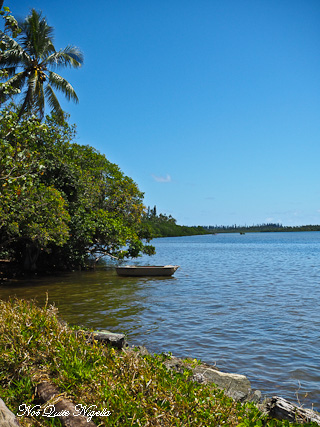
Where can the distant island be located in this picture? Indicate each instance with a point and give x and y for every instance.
(270, 227)
(162, 225)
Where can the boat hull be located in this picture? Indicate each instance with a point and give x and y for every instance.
(147, 270)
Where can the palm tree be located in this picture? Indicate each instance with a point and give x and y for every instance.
(26, 61)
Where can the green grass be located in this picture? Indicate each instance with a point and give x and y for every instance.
(137, 390)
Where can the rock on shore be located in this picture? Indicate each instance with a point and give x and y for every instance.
(7, 418)
(236, 386)
(239, 388)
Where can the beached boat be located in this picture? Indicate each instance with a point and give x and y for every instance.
(147, 270)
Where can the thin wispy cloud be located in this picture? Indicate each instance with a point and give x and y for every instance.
(166, 178)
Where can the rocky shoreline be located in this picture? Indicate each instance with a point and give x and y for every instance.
(236, 386)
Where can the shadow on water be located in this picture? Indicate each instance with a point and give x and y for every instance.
(98, 299)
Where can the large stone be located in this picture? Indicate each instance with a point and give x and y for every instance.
(7, 418)
(234, 385)
(107, 337)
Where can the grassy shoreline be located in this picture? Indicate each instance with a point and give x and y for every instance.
(35, 346)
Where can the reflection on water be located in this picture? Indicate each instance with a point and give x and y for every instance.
(248, 303)
(95, 299)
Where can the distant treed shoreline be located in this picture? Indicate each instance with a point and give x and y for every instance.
(259, 228)
(165, 226)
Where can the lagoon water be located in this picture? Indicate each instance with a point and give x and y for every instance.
(247, 303)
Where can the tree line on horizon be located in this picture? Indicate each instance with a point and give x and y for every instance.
(162, 225)
(267, 227)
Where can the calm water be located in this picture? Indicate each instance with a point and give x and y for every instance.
(249, 303)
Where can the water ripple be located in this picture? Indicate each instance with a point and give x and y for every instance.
(247, 303)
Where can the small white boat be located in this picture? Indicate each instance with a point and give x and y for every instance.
(147, 270)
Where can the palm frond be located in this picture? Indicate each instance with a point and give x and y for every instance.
(53, 101)
(27, 104)
(12, 58)
(75, 53)
(63, 85)
(14, 53)
(36, 36)
(17, 81)
(69, 56)
(9, 72)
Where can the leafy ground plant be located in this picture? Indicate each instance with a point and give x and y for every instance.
(137, 390)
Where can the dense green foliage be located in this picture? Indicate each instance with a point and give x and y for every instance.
(165, 226)
(26, 58)
(137, 390)
(61, 201)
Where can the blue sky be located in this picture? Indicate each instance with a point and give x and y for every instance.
(212, 107)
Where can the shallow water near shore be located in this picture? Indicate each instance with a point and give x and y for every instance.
(247, 303)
